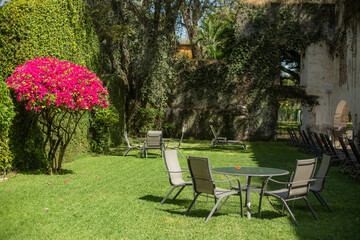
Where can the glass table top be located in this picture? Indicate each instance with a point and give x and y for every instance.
(250, 171)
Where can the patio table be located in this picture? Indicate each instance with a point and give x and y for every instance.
(250, 172)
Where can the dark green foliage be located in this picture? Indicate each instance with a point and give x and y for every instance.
(137, 42)
(31, 28)
(269, 41)
(169, 130)
(7, 114)
(204, 96)
(100, 124)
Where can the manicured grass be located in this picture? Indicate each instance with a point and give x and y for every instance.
(115, 197)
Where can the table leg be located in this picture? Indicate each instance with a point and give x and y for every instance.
(248, 202)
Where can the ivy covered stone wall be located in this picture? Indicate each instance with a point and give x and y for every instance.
(203, 96)
(56, 28)
(241, 95)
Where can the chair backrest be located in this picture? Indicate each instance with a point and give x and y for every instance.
(311, 139)
(294, 134)
(355, 150)
(201, 175)
(346, 152)
(330, 144)
(319, 142)
(306, 137)
(326, 145)
(213, 131)
(154, 139)
(173, 167)
(322, 172)
(304, 172)
(127, 139)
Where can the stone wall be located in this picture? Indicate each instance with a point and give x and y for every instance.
(331, 70)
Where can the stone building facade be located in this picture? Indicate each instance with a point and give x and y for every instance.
(331, 70)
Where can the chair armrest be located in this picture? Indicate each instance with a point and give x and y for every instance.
(229, 180)
(220, 138)
(175, 171)
(172, 142)
(291, 183)
(321, 177)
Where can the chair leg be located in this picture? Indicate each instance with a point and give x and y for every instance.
(222, 203)
(260, 202)
(323, 201)
(192, 203)
(126, 152)
(311, 209)
(291, 214)
(177, 194)
(213, 210)
(317, 197)
(180, 152)
(167, 195)
(241, 205)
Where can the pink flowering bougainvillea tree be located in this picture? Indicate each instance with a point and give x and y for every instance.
(61, 93)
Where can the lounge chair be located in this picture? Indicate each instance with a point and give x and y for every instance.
(175, 173)
(178, 143)
(297, 188)
(349, 163)
(129, 142)
(153, 141)
(203, 182)
(355, 171)
(320, 177)
(223, 140)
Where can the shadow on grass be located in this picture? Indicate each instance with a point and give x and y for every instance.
(46, 172)
(158, 199)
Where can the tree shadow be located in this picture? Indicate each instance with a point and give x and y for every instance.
(46, 172)
(157, 199)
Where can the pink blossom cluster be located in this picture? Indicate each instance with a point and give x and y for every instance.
(49, 82)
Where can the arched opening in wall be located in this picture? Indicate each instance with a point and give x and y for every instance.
(342, 121)
(289, 116)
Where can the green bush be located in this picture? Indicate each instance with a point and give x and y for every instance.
(32, 28)
(100, 123)
(7, 114)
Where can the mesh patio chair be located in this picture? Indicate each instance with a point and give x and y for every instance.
(322, 149)
(355, 171)
(153, 141)
(297, 187)
(178, 143)
(348, 163)
(175, 173)
(129, 142)
(203, 182)
(320, 178)
(223, 140)
(337, 156)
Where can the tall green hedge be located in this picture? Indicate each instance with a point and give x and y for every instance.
(7, 114)
(32, 28)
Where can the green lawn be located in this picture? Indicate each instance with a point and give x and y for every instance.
(115, 197)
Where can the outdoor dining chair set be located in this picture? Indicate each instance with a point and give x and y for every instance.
(203, 182)
(153, 140)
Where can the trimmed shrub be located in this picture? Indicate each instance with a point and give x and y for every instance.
(48, 28)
